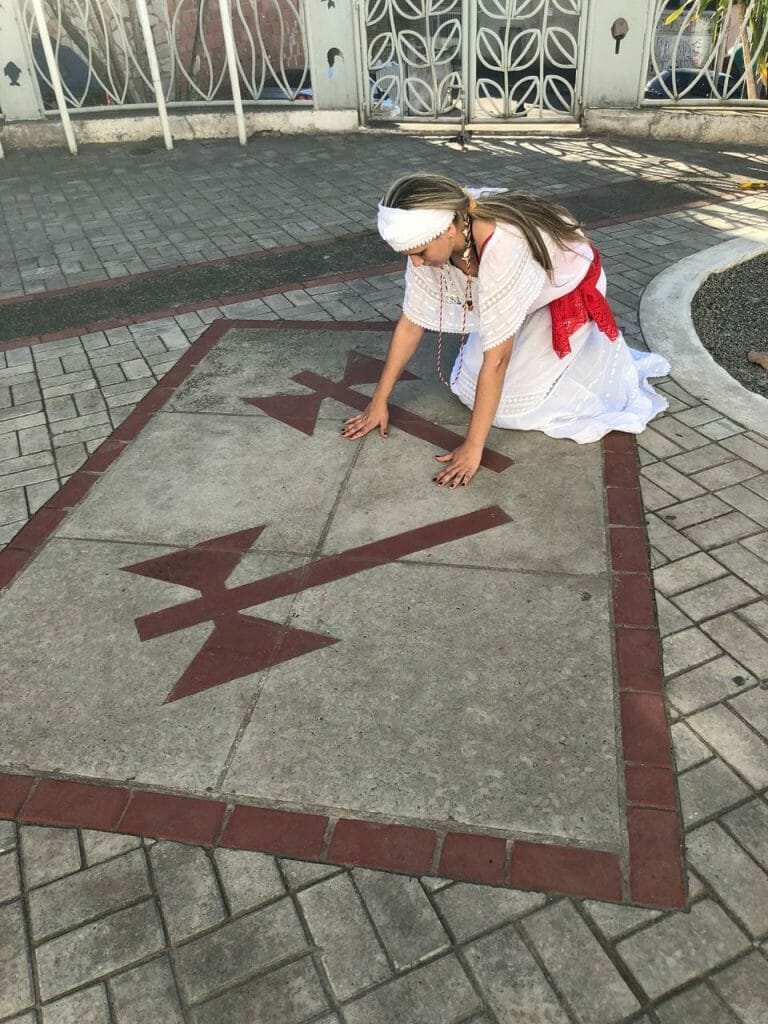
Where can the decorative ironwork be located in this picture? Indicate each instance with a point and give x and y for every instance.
(414, 57)
(527, 58)
(709, 51)
(102, 59)
(490, 59)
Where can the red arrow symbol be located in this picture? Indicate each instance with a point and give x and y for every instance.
(302, 411)
(243, 644)
(316, 574)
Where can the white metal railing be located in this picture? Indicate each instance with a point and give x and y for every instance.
(140, 53)
(483, 60)
(708, 52)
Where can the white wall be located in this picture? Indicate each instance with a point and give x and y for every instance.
(611, 79)
(22, 101)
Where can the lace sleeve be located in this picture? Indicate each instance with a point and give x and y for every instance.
(510, 281)
(421, 303)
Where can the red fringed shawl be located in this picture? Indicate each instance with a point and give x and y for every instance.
(584, 303)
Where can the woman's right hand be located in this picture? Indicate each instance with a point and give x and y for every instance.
(376, 415)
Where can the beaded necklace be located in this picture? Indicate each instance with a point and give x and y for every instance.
(466, 307)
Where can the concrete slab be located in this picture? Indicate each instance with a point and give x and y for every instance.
(86, 697)
(451, 696)
(246, 612)
(189, 477)
(262, 362)
(391, 485)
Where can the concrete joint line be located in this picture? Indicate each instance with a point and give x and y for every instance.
(667, 326)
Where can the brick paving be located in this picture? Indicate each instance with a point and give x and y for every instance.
(103, 928)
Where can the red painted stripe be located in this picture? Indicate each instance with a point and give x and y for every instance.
(644, 732)
(651, 787)
(591, 874)
(73, 491)
(385, 847)
(473, 858)
(38, 529)
(638, 658)
(629, 549)
(283, 833)
(181, 819)
(75, 805)
(633, 601)
(620, 469)
(319, 573)
(408, 421)
(12, 561)
(625, 506)
(656, 874)
(14, 790)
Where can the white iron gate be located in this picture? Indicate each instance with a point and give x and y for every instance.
(476, 60)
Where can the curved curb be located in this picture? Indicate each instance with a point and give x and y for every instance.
(667, 326)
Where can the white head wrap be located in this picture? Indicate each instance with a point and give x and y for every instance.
(412, 229)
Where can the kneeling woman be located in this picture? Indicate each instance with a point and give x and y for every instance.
(543, 350)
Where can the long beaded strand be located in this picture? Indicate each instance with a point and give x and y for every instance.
(462, 341)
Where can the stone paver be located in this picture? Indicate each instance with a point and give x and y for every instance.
(48, 853)
(512, 980)
(248, 880)
(15, 976)
(88, 1006)
(186, 885)
(351, 953)
(572, 953)
(698, 1004)
(98, 949)
(741, 884)
(239, 948)
(403, 916)
(146, 993)
(203, 940)
(735, 742)
(69, 902)
(744, 987)
(437, 993)
(470, 910)
(677, 949)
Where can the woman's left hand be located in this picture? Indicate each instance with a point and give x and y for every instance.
(463, 463)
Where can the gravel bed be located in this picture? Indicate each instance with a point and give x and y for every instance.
(730, 314)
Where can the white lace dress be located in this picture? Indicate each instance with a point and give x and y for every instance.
(602, 385)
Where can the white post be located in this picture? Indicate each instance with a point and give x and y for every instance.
(154, 69)
(234, 78)
(20, 98)
(53, 71)
(468, 75)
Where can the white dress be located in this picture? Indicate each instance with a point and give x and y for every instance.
(602, 385)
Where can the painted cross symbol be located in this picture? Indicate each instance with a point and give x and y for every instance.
(301, 411)
(242, 644)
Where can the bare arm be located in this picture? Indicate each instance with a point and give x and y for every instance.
(463, 461)
(405, 340)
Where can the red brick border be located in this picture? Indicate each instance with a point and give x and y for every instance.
(653, 874)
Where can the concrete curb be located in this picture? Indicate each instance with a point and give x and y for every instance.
(667, 325)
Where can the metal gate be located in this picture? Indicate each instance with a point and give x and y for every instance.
(472, 60)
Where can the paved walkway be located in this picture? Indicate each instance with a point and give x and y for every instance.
(97, 926)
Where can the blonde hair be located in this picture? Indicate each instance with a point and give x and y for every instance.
(530, 214)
